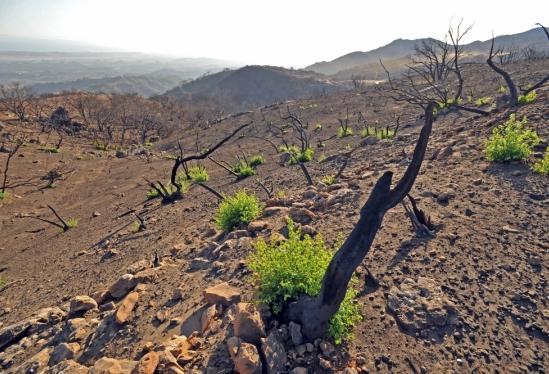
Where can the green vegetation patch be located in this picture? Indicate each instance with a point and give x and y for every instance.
(542, 166)
(237, 210)
(285, 270)
(511, 141)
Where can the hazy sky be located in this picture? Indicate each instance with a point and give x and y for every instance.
(283, 32)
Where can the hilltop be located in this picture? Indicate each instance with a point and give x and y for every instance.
(253, 86)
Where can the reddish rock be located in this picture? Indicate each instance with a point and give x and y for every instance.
(248, 324)
(126, 307)
(223, 294)
(148, 363)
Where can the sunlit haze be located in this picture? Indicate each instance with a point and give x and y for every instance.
(289, 33)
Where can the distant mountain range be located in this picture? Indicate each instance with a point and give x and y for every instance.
(145, 85)
(396, 52)
(252, 86)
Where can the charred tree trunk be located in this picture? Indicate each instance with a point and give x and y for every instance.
(314, 313)
(306, 173)
(513, 95)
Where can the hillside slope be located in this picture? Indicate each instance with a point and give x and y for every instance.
(487, 262)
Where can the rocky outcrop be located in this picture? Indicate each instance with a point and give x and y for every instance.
(420, 307)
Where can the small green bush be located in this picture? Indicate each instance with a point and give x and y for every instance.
(243, 170)
(328, 180)
(484, 100)
(511, 141)
(318, 127)
(198, 174)
(285, 270)
(3, 195)
(344, 132)
(72, 223)
(239, 209)
(2, 282)
(100, 146)
(256, 160)
(528, 98)
(152, 194)
(542, 166)
(502, 89)
(297, 155)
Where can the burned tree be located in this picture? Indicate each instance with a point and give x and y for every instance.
(16, 98)
(290, 153)
(11, 152)
(62, 224)
(511, 86)
(435, 74)
(314, 313)
(182, 161)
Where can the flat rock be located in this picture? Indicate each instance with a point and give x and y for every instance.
(81, 304)
(421, 307)
(301, 215)
(107, 365)
(223, 294)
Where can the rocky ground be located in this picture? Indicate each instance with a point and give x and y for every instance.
(177, 296)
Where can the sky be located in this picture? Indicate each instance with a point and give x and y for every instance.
(291, 33)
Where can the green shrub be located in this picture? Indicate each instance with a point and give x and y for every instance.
(152, 194)
(321, 157)
(49, 149)
(328, 180)
(135, 226)
(318, 127)
(285, 270)
(256, 160)
(502, 89)
(243, 170)
(100, 146)
(3, 195)
(2, 282)
(528, 98)
(281, 194)
(542, 166)
(239, 209)
(344, 132)
(483, 100)
(511, 141)
(198, 174)
(297, 155)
